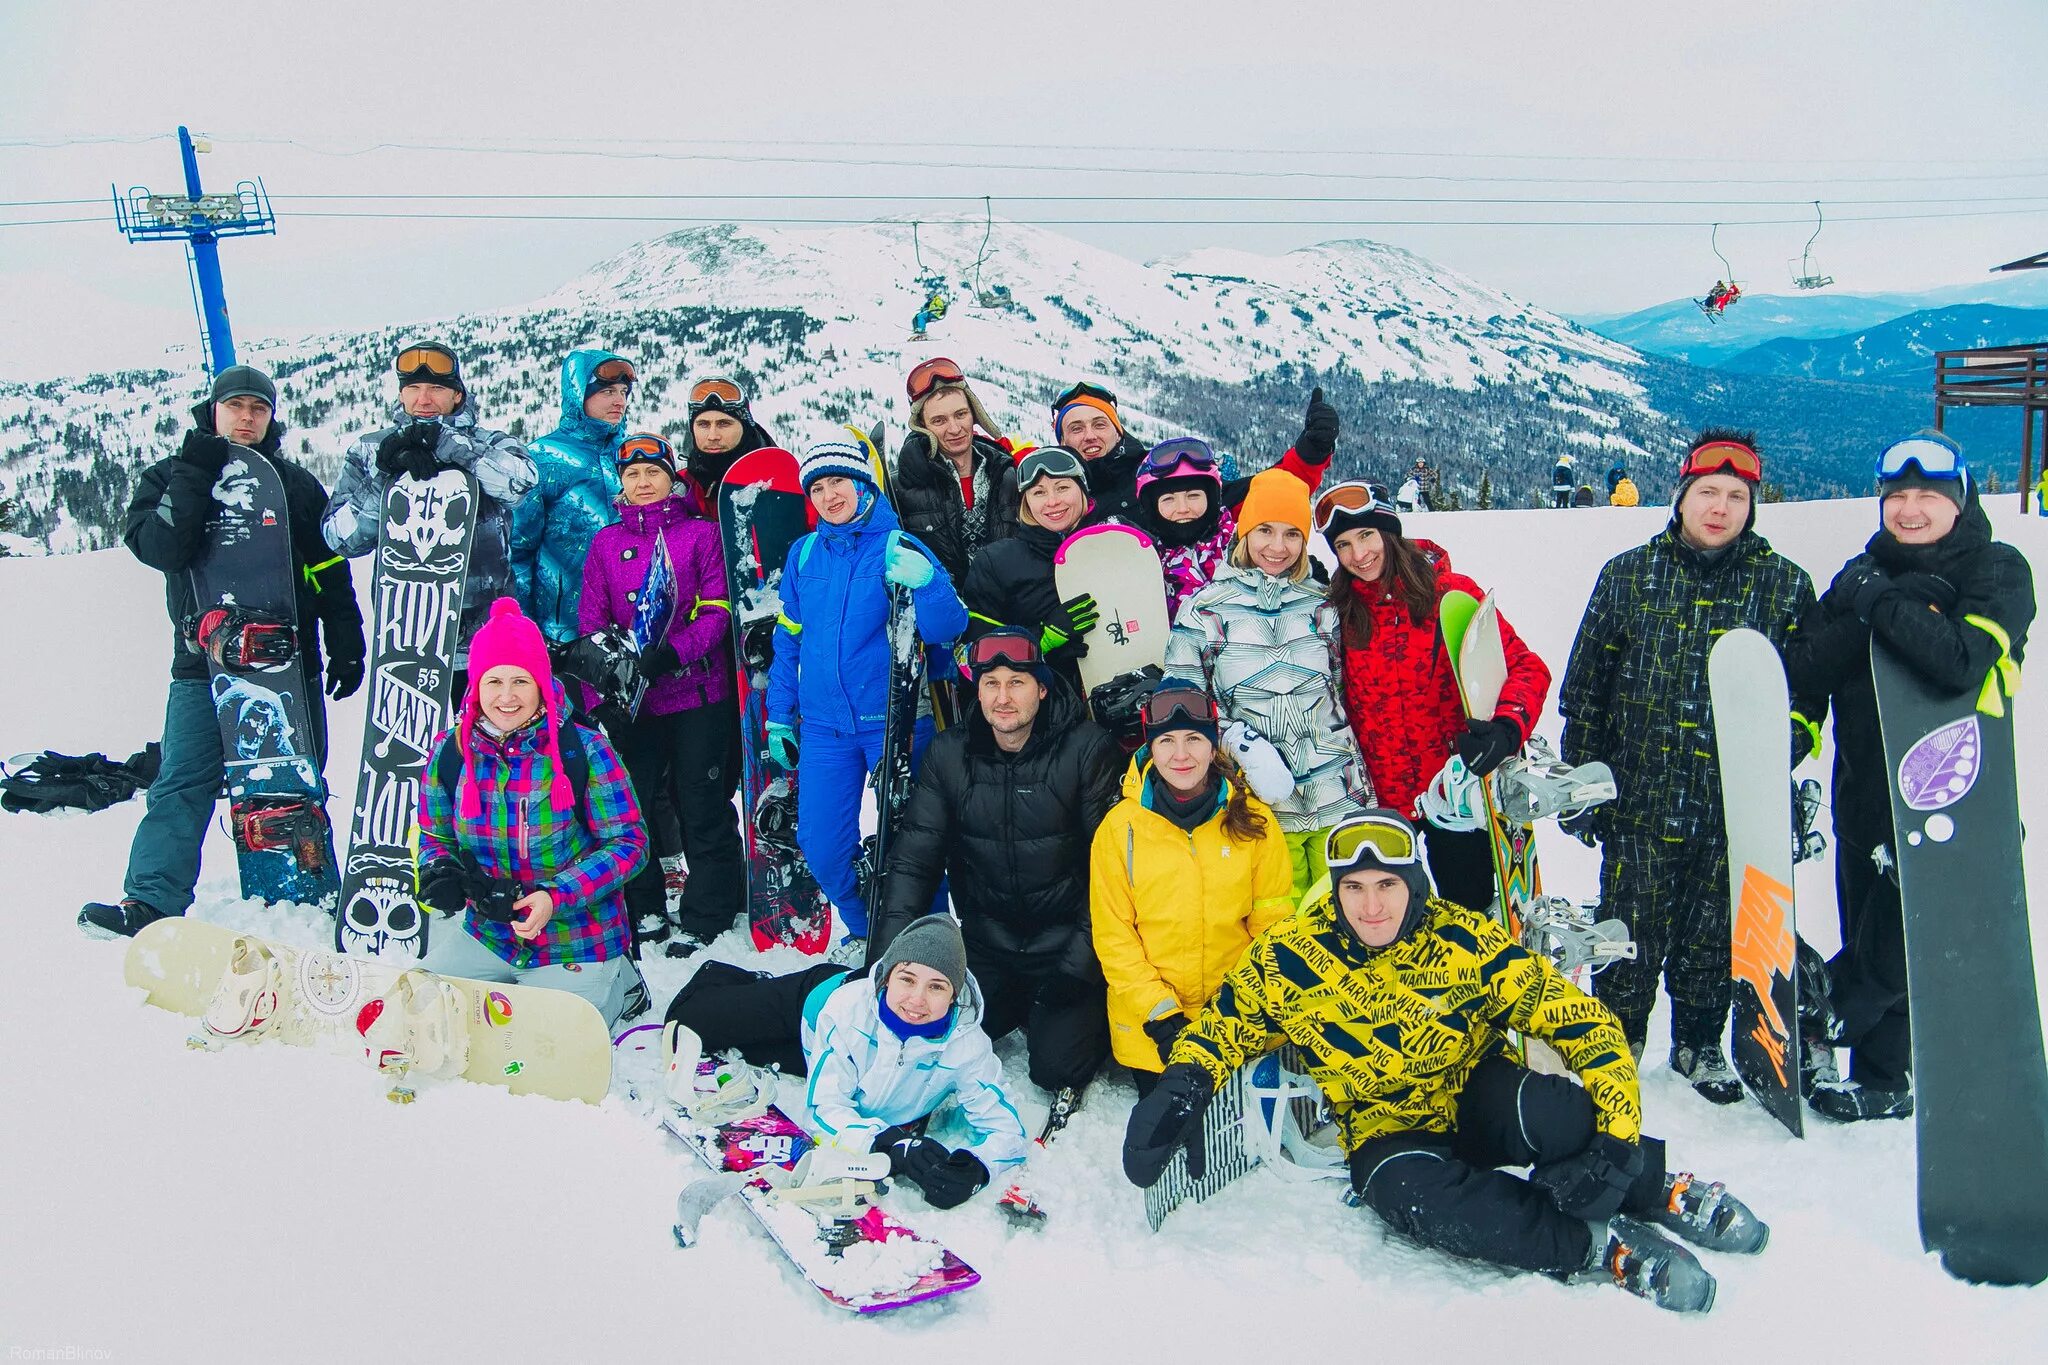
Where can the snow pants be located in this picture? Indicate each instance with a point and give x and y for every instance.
(691, 753)
(1305, 853)
(1673, 896)
(1065, 1019)
(163, 860)
(1442, 1189)
(454, 952)
(761, 1016)
(834, 767)
(1869, 975)
(1461, 865)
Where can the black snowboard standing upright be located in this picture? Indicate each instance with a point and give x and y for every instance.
(1979, 1077)
(421, 573)
(246, 622)
(893, 778)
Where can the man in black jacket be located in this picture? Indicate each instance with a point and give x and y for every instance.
(1954, 605)
(1005, 809)
(722, 428)
(167, 531)
(955, 486)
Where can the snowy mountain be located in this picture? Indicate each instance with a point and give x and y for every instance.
(1225, 343)
(267, 1203)
(1900, 351)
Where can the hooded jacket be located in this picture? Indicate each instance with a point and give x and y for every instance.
(166, 529)
(699, 629)
(1938, 617)
(579, 481)
(1402, 695)
(863, 1078)
(1392, 1034)
(926, 492)
(1635, 693)
(584, 858)
(1010, 833)
(1266, 649)
(1173, 910)
(504, 473)
(835, 616)
(1010, 583)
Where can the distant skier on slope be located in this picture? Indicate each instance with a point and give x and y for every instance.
(1003, 813)
(553, 527)
(1563, 479)
(1635, 698)
(830, 674)
(1399, 1002)
(896, 1054)
(166, 530)
(1953, 604)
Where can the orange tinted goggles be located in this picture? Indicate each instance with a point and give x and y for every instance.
(430, 359)
(929, 374)
(722, 391)
(1716, 456)
(614, 372)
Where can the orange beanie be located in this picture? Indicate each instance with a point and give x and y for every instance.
(1275, 495)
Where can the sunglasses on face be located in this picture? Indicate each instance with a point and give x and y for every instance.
(929, 374)
(1717, 456)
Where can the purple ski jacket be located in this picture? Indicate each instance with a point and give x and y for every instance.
(701, 627)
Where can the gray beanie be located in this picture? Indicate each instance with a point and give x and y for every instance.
(933, 941)
(244, 381)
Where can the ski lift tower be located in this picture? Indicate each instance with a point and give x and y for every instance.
(201, 220)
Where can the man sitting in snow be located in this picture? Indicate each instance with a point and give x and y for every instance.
(1401, 1004)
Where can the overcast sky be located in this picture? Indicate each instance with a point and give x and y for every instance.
(1732, 101)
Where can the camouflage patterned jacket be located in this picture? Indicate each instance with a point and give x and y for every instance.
(1391, 1034)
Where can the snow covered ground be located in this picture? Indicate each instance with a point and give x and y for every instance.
(164, 1204)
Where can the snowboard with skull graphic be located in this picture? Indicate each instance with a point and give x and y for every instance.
(422, 569)
(277, 795)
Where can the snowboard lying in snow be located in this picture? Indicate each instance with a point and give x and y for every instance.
(849, 1248)
(402, 1021)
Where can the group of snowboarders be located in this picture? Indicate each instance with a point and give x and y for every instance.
(1291, 846)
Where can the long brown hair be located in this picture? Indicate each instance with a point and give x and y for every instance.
(1408, 576)
(1240, 821)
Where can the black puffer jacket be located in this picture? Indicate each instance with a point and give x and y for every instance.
(1011, 833)
(1934, 588)
(704, 471)
(167, 529)
(1113, 482)
(926, 491)
(1010, 584)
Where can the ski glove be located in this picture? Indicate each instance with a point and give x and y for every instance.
(344, 676)
(444, 886)
(908, 568)
(1164, 1030)
(1931, 588)
(948, 1179)
(1168, 1118)
(1078, 616)
(1862, 586)
(1486, 744)
(410, 450)
(1584, 826)
(1265, 771)
(658, 662)
(1591, 1184)
(207, 452)
(1318, 439)
(782, 745)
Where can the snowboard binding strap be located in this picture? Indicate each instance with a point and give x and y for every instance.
(284, 825)
(240, 641)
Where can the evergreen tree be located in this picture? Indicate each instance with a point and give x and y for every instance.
(9, 514)
(1486, 490)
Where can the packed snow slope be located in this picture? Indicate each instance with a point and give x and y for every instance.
(269, 1204)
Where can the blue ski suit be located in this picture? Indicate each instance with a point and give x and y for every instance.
(830, 675)
(579, 482)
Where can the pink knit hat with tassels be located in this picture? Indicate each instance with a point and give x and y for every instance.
(510, 639)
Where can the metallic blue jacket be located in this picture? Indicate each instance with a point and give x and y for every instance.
(552, 530)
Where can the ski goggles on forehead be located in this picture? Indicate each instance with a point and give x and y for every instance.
(1084, 389)
(613, 372)
(646, 448)
(1355, 496)
(1391, 844)
(1190, 703)
(1005, 649)
(1934, 459)
(929, 374)
(425, 360)
(720, 394)
(1717, 457)
(1170, 455)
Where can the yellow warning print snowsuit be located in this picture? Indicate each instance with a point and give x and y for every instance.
(1392, 1034)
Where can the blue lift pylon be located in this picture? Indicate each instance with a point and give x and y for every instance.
(201, 220)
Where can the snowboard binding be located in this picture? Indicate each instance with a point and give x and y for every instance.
(1807, 842)
(1571, 938)
(238, 640)
(267, 824)
(607, 663)
(1538, 784)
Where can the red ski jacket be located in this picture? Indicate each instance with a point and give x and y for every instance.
(1402, 699)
